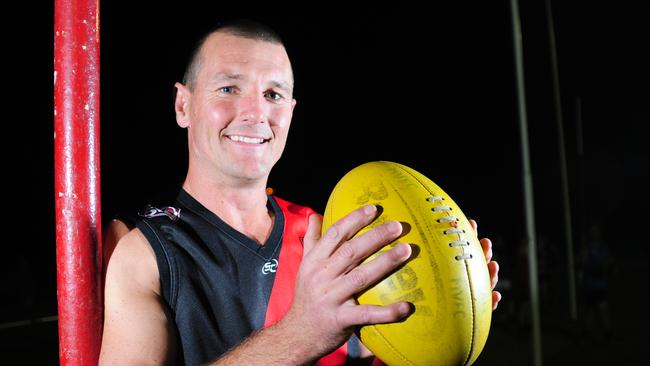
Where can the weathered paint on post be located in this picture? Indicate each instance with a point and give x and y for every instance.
(77, 180)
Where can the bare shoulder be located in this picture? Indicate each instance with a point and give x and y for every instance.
(138, 327)
(133, 260)
(112, 233)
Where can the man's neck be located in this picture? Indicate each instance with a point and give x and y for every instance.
(244, 207)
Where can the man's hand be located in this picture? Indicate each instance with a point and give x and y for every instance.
(324, 310)
(493, 266)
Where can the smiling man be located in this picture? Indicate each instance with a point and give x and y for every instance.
(228, 274)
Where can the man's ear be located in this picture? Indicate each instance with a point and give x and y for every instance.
(181, 105)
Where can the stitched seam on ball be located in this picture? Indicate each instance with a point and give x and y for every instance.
(471, 289)
(392, 348)
(471, 293)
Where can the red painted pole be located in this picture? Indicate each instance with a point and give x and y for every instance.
(77, 178)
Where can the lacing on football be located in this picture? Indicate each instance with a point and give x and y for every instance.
(456, 243)
(435, 198)
(441, 208)
(447, 219)
(463, 256)
(454, 231)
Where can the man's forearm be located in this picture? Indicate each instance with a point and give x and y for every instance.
(278, 344)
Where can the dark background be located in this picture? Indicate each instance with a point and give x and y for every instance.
(430, 87)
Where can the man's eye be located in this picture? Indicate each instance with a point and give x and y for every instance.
(227, 89)
(273, 95)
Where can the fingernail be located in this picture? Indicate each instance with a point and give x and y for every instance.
(405, 308)
(395, 226)
(403, 250)
(369, 209)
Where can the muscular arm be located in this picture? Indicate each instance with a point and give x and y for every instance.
(136, 326)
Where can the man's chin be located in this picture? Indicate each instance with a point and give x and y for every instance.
(250, 175)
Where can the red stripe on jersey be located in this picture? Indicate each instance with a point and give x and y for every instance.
(296, 219)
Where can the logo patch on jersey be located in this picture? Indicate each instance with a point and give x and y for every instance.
(172, 213)
(270, 266)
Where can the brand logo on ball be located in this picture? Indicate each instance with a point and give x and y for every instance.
(406, 288)
(374, 190)
(270, 266)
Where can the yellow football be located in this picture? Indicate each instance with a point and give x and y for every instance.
(446, 279)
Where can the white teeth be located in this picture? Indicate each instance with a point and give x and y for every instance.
(248, 140)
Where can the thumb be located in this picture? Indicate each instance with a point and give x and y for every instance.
(313, 233)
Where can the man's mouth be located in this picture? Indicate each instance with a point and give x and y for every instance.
(247, 140)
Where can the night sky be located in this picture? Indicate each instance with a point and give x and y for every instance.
(432, 89)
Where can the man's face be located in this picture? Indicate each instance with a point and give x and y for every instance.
(238, 114)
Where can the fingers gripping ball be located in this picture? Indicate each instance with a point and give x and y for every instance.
(446, 280)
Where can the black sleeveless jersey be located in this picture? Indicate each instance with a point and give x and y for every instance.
(220, 285)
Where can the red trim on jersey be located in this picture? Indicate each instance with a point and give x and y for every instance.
(296, 219)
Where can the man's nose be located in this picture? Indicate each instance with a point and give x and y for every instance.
(253, 108)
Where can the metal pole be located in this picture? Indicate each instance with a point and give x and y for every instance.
(76, 183)
(568, 228)
(581, 173)
(528, 184)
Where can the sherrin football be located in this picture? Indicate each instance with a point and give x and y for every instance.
(446, 279)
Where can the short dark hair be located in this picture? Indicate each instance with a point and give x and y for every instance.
(245, 28)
